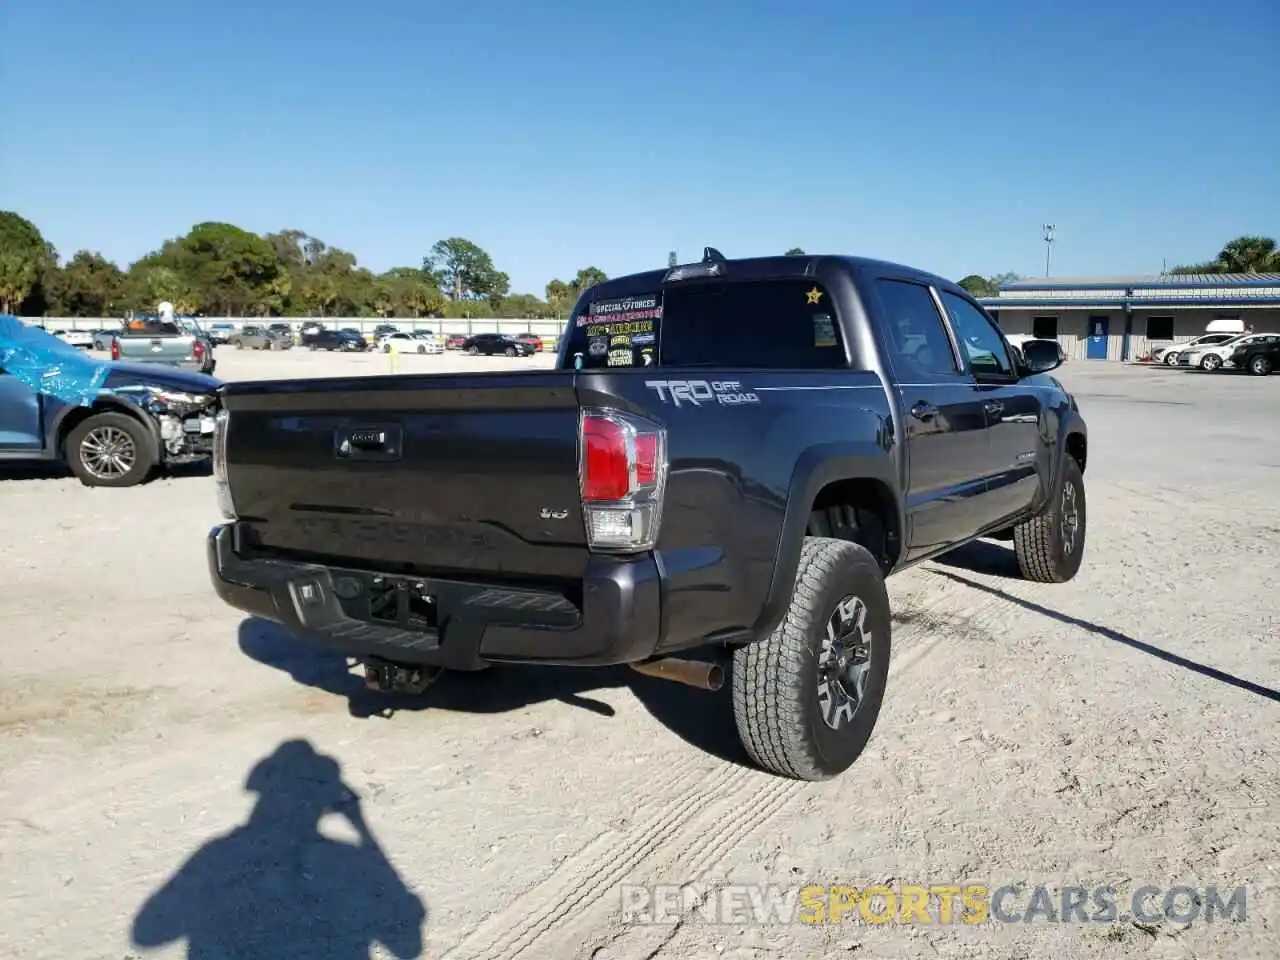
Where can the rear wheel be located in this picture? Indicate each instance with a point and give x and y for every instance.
(473, 351)
(806, 698)
(1171, 359)
(510, 351)
(1260, 366)
(1210, 362)
(1050, 547)
(109, 450)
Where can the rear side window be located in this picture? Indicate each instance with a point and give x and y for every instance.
(787, 324)
(921, 347)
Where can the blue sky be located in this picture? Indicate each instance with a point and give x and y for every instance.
(559, 135)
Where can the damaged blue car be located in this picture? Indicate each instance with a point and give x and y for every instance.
(113, 424)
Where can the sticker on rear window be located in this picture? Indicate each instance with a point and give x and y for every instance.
(621, 358)
(824, 330)
(598, 346)
(622, 310)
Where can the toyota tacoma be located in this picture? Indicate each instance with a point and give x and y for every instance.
(730, 456)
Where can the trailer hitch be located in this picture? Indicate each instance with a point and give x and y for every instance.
(386, 676)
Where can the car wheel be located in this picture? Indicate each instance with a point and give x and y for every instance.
(1171, 359)
(510, 351)
(239, 344)
(109, 450)
(1050, 547)
(806, 698)
(1210, 362)
(1260, 366)
(421, 349)
(473, 351)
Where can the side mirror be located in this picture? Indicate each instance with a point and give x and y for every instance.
(1041, 356)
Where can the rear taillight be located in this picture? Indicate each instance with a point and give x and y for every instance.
(197, 351)
(225, 503)
(115, 348)
(623, 474)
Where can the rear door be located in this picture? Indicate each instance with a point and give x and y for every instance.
(1013, 408)
(948, 452)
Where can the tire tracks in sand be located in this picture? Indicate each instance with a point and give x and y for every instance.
(701, 816)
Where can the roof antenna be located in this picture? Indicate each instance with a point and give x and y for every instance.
(712, 255)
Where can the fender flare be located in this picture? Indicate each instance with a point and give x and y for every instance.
(816, 467)
(1071, 424)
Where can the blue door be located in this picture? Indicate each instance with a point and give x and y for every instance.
(1099, 330)
(19, 415)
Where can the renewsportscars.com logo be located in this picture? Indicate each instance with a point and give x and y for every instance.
(928, 904)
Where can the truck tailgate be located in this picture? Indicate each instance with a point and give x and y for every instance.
(473, 472)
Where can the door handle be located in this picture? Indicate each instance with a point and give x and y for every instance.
(924, 411)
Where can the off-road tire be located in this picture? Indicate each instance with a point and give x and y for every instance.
(775, 679)
(144, 462)
(1039, 542)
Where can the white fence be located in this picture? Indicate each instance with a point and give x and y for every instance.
(548, 329)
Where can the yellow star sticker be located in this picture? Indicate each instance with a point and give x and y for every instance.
(814, 295)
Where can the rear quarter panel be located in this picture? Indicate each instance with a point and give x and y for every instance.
(743, 448)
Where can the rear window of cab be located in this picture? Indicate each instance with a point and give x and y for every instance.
(783, 324)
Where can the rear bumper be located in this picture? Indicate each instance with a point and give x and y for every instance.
(456, 624)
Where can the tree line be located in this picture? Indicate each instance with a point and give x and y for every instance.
(218, 269)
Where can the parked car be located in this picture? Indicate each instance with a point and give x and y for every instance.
(410, 343)
(573, 552)
(114, 426)
(454, 341)
(81, 339)
(532, 340)
(1260, 356)
(253, 337)
(336, 340)
(1216, 333)
(102, 338)
(1211, 358)
(487, 344)
(221, 333)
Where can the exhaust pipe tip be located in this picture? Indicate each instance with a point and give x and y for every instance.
(692, 673)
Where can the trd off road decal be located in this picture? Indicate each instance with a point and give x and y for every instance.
(678, 393)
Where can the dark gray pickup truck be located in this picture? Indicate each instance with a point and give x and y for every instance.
(731, 455)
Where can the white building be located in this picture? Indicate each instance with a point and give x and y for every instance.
(1124, 318)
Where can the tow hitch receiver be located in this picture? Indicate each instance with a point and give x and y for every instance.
(387, 677)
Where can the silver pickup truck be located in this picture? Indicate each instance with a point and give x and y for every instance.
(176, 343)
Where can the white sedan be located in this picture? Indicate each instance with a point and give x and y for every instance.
(77, 338)
(416, 342)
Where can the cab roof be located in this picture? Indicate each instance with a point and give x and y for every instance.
(714, 265)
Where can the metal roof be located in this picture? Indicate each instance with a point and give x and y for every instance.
(1168, 281)
(1048, 302)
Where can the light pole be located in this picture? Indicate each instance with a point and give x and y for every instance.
(1049, 228)
(671, 259)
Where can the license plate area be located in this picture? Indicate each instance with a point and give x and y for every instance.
(393, 601)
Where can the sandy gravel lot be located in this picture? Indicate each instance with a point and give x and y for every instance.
(169, 771)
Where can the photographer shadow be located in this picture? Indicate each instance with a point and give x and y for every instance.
(278, 887)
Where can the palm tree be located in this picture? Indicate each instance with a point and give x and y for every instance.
(1248, 255)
